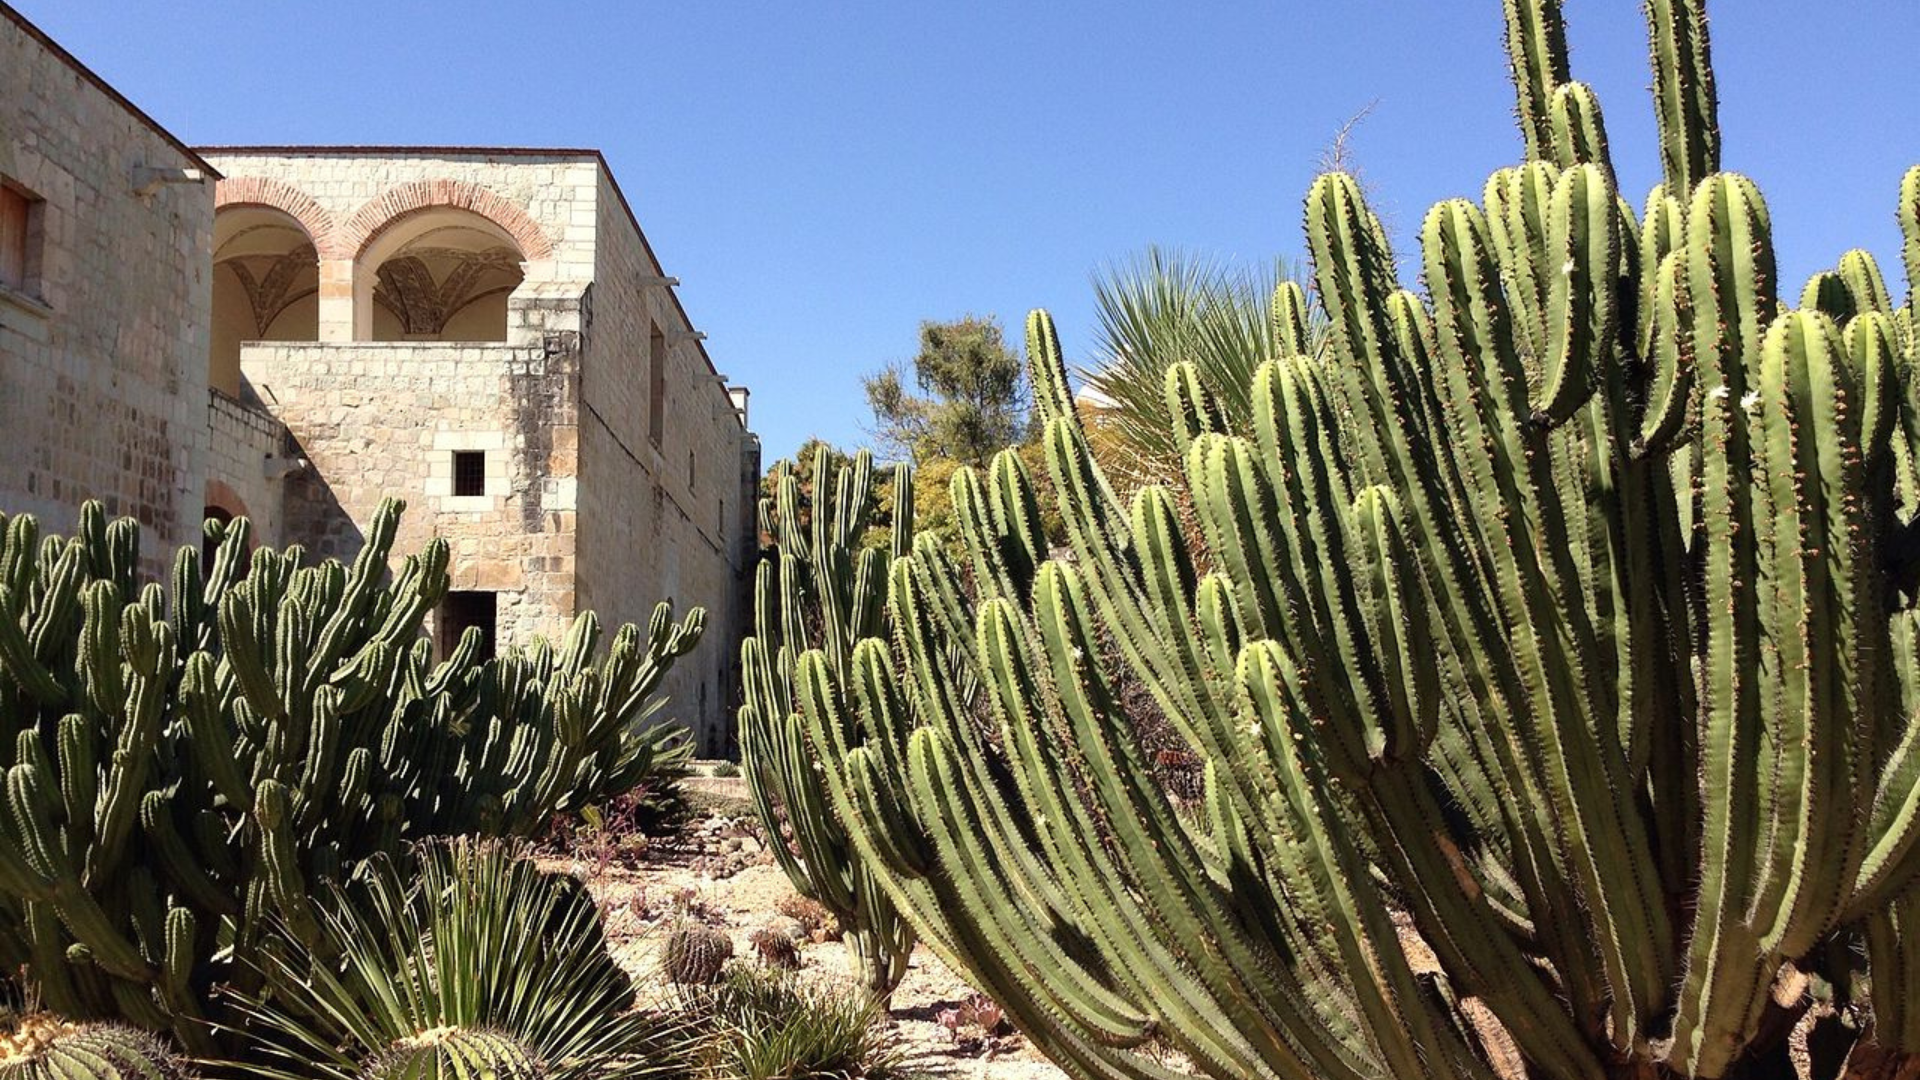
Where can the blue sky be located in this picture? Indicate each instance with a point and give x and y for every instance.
(822, 176)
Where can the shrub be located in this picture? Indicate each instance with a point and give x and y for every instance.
(775, 949)
(476, 956)
(764, 1025)
(813, 916)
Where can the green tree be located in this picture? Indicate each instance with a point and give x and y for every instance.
(967, 400)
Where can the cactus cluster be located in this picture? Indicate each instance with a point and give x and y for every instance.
(819, 588)
(185, 765)
(1548, 643)
(43, 1047)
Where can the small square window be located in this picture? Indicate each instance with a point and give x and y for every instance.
(18, 257)
(469, 472)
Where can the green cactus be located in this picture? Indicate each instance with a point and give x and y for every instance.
(44, 1047)
(1554, 622)
(819, 588)
(694, 954)
(187, 765)
(457, 1054)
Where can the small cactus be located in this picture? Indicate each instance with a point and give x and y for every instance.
(775, 949)
(45, 1047)
(457, 1053)
(694, 954)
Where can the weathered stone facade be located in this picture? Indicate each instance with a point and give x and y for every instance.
(484, 333)
(103, 341)
(603, 484)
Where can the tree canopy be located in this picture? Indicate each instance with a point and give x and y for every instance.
(963, 397)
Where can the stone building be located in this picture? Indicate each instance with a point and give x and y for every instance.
(106, 242)
(483, 332)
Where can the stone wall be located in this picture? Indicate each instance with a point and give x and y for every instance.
(105, 354)
(103, 389)
(662, 514)
(246, 462)
(378, 420)
(584, 510)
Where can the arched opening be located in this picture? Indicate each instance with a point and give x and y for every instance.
(207, 544)
(266, 286)
(438, 274)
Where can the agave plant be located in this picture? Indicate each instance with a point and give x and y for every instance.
(479, 961)
(1164, 308)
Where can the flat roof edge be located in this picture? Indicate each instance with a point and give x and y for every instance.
(361, 150)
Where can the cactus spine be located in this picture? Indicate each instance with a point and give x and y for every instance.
(187, 765)
(819, 589)
(1558, 610)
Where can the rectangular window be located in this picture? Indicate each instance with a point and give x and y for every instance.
(17, 227)
(469, 472)
(463, 610)
(656, 386)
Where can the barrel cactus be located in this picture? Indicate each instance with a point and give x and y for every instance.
(45, 1047)
(695, 954)
(1549, 644)
(456, 1054)
(819, 587)
(187, 764)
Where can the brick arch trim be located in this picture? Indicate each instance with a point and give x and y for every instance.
(221, 495)
(284, 197)
(398, 201)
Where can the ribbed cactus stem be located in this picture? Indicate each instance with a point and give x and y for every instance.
(1537, 58)
(1685, 98)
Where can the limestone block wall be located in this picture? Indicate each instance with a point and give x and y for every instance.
(246, 461)
(382, 419)
(587, 508)
(103, 390)
(662, 514)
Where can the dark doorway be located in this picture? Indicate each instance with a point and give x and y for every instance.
(461, 610)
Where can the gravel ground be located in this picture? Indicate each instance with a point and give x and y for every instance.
(744, 901)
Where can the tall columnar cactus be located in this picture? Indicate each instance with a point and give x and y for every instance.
(187, 764)
(1554, 653)
(819, 589)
